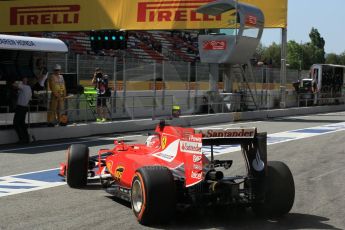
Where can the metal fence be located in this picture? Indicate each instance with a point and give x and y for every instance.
(147, 88)
(129, 75)
(134, 69)
(83, 109)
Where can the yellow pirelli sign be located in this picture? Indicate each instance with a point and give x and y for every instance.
(79, 15)
(56, 15)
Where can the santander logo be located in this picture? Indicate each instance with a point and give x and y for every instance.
(190, 147)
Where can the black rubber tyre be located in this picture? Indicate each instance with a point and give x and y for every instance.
(279, 192)
(77, 165)
(155, 185)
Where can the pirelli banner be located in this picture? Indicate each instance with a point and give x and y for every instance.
(181, 14)
(81, 15)
(57, 15)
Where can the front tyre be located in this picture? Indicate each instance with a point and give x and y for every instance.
(279, 191)
(77, 165)
(153, 195)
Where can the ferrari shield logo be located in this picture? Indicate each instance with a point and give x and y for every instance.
(118, 173)
(109, 165)
(164, 142)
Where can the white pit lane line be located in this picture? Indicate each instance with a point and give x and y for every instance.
(27, 182)
(21, 183)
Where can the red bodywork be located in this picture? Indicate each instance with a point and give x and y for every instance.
(191, 179)
(179, 149)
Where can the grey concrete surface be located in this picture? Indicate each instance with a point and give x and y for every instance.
(317, 164)
(93, 128)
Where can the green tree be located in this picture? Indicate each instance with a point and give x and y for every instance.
(316, 38)
(294, 55)
(311, 54)
(301, 56)
(342, 58)
(272, 55)
(298, 55)
(332, 58)
(319, 46)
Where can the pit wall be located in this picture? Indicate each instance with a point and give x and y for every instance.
(139, 105)
(93, 128)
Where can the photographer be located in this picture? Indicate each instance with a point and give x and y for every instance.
(41, 75)
(100, 81)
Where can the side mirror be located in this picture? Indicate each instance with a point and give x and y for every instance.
(161, 124)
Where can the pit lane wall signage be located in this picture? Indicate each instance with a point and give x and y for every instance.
(79, 15)
(10, 42)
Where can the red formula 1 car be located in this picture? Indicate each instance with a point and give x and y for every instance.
(170, 169)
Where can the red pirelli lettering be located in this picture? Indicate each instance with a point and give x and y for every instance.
(36, 15)
(173, 11)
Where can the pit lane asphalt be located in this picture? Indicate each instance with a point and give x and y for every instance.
(317, 165)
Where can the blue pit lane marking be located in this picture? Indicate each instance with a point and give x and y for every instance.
(16, 184)
(273, 140)
(313, 131)
(16, 187)
(21, 183)
(46, 176)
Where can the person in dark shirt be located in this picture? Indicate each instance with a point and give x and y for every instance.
(22, 107)
(100, 81)
(205, 106)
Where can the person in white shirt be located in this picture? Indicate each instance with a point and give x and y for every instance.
(41, 75)
(22, 107)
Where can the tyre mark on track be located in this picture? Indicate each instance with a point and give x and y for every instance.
(316, 178)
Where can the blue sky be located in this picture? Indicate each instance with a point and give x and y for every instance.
(326, 16)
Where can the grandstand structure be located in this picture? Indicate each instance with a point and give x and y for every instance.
(152, 45)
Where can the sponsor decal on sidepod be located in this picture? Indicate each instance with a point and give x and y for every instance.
(190, 147)
(197, 158)
(196, 175)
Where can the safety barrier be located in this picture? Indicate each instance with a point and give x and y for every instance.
(83, 109)
(312, 99)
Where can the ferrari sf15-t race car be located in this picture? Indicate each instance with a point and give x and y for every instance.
(170, 169)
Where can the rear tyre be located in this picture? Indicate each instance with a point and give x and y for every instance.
(279, 191)
(153, 195)
(77, 166)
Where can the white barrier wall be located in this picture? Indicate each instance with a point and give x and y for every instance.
(81, 130)
(140, 104)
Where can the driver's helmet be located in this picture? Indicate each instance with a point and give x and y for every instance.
(153, 141)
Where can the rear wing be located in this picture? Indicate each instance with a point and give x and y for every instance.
(219, 136)
(253, 145)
